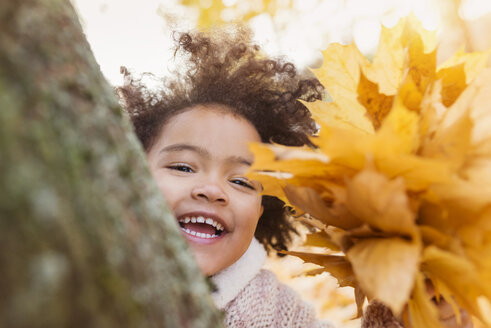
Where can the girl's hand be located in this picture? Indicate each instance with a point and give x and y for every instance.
(449, 319)
(446, 313)
(378, 315)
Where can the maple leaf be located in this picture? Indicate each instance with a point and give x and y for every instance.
(385, 269)
(458, 71)
(340, 75)
(381, 203)
(337, 265)
(308, 200)
(390, 61)
(400, 181)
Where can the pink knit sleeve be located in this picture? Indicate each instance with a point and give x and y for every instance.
(265, 302)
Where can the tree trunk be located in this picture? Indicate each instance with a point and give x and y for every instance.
(85, 238)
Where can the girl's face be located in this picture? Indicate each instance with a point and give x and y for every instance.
(199, 161)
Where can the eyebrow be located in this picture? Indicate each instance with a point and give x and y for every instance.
(203, 152)
(239, 159)
(183, 147)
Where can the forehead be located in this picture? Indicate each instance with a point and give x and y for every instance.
(209, 126)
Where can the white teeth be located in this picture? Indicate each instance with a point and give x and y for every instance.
(201, 219)
(199, 234)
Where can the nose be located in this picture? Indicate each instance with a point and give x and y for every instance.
(211, 192)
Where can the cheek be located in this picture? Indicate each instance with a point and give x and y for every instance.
(171, 190)
(251, 210)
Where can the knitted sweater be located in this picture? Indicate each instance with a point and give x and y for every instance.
(253, 297)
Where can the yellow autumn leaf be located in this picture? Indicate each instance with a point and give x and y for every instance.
(311, 202)
(359, 299)
(466, 195)
(447, 216)
(349, 148)
(314, 272)
(457, 274)
(477, 233)
(413, 28)
(453, 83)
(419, 69)
(433, 236)
(340, 72)
(285, 153)
(473, 63)
(476, 238)
(340, 75)
(481, 259)
(335, 115)
(336, 265)
(431, 112)
(422, 310)
(385, 269)
(443, 293)
(458, 72)
(421, 64)
(399, 132)
(320, 239)
(377, 105)
(406, 190)
(345, 147)
(339, 237)
(271, 183)
(410, 94)
(485, 306)
(298, 161)
(477, 97)
(381, 203)
(418, 173)
(451, 138)
(387, 68)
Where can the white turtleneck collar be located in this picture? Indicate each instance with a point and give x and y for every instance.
(231, 280)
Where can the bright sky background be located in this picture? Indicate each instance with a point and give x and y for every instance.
(136, 34)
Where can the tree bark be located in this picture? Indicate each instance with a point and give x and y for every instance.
(85, 238)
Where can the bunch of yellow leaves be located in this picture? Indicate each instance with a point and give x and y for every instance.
(399, 188)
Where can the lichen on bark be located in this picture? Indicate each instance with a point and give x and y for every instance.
(85, 238)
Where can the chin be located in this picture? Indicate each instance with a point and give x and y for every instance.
(212, 262)
(207, 264)
(209, 270)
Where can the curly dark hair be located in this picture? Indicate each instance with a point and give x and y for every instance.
(228, 69)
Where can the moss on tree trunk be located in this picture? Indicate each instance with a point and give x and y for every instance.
(85, 238)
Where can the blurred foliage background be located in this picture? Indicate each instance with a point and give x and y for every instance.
(138, 34)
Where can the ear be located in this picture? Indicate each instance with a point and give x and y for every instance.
(261, 211)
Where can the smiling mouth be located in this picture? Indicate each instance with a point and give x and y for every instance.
(201, 226)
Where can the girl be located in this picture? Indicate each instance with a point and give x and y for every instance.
(196, 132)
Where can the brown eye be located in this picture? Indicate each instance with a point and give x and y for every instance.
(181, 167)
(244, 183)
